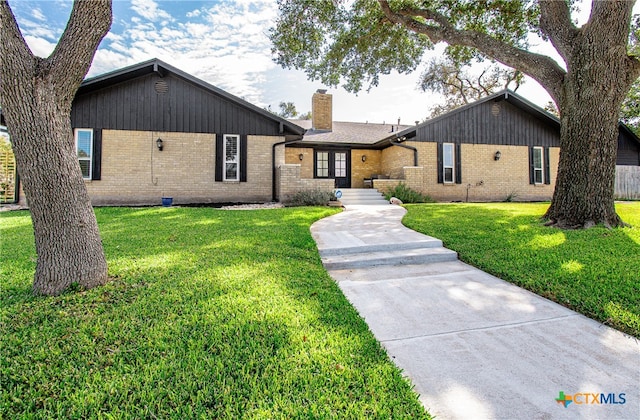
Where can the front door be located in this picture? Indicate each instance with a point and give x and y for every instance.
(334, 164)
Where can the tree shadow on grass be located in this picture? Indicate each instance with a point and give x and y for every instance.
(221, 315)
(593, 271)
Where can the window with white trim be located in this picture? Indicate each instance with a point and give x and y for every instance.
(84, 150)
(538, 165)
(448, 163)
(231, 157)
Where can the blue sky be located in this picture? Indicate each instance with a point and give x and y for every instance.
(225, 43)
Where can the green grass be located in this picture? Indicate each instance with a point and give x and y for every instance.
(210, 314)
(595, 271)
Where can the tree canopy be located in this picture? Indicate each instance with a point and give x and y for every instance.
(353, 42)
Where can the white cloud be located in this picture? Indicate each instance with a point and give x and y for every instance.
(193, 13)
(40, 46)
(149, 9)
(38, 15)
(224, 44)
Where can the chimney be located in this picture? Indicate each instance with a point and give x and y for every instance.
(321, 110)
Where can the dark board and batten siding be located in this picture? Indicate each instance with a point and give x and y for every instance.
(184, 107)
(628, 149)
(492, 122)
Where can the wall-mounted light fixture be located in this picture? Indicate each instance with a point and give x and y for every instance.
(497, 155)
(159, 144)
(301, 156)
(364, 158)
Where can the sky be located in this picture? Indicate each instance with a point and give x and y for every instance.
(225, 43)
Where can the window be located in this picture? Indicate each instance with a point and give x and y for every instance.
(538, 167)
(340, 165)
(322, 164)
(448, 163)
(231, 157)
(84, 149)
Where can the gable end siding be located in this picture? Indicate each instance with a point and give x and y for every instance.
(499, 123)
(135, 105)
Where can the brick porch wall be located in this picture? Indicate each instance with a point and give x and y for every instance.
(289, 182)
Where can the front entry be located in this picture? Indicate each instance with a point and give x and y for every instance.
(334, 164)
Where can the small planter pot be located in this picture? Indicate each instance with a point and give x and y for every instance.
(167, 201)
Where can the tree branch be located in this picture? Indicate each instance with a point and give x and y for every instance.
(89, 22)
(555, 22)
(9, 50)
(439, 29)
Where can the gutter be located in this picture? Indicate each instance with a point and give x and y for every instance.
(415, 151)
(273, 164)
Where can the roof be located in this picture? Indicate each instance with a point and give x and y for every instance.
(506, 94)
(155, 66)
(351, 134)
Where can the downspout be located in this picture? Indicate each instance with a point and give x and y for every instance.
(273, 164)
(415, 151)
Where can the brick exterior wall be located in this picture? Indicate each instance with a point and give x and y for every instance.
(394, 158)
(135, 172)
(361, 170)
(483, 178)
(292, 157)
(289, 182)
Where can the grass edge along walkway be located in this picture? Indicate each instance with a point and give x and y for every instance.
(595, 272)
(210, 314)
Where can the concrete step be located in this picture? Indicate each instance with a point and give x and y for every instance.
(362, 196)
(398, 257)
(360, 192)
(364, 202)
(363, 249)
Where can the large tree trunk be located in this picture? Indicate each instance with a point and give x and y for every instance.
(599, 72)
(590, 101)
(36, 96)
(584, 191)
(67, 239)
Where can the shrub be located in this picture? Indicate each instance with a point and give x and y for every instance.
(407, 195)
(310, 198)
(512, 196)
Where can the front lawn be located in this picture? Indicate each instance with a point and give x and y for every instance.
(210, 314)
(595, 271)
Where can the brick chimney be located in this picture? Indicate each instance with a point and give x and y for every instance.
(321, 111)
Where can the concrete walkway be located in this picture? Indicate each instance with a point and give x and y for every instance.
(474, 346)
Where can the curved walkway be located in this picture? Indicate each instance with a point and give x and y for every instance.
(474, 346)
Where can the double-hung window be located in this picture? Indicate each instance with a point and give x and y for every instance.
(231, 157)
(448, 163)
(538, 165)
(84, 150)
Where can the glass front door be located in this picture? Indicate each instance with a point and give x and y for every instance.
(334, 164)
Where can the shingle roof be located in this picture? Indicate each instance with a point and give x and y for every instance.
(348, 133)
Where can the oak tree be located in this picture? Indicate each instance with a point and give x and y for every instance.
(353, 42)
(460, 85)
(36, 95)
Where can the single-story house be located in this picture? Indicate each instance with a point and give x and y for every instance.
(151, 130)
(500, 147)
